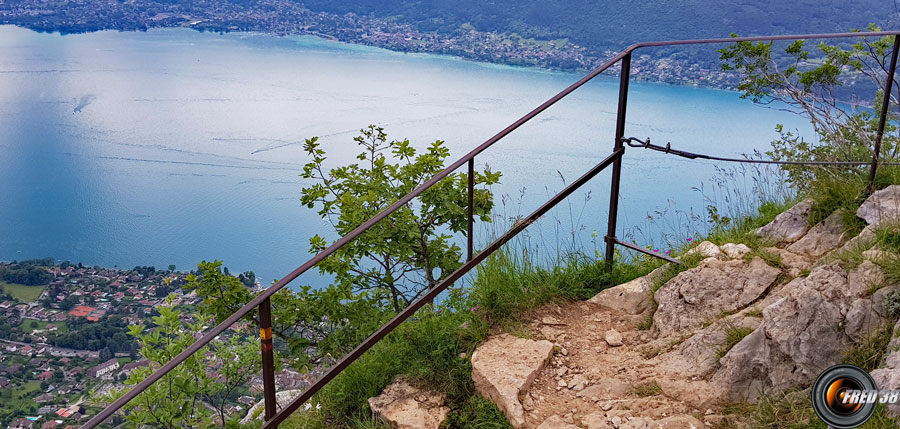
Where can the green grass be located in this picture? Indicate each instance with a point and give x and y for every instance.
(21, 292)
(20, 398)
(427, 348)
(744, 230)
(771, 258)
(26, 324)
(647, 389)
(733, 335)
(793, 410)
(868, 353)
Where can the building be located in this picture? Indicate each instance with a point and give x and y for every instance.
(131, 366)
(22, 424)
(104, 368)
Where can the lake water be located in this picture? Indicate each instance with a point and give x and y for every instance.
(172, 146)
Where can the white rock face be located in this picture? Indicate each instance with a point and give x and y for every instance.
(883, 205)
(788, 226)
(706, 249)
(702, 294)
(404, 406)
(632, 297)
(793, 263)
(800, 334)
(735, 251)
(822, 238)
(504, 366)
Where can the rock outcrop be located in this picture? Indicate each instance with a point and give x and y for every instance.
(788, 226)
(504, 366)
(702, 294)
(405, 406)
(632, 297)
(883, 205)
(822, 238)
(801, 334)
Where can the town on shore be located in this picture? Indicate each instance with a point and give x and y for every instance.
(64, 342)
(285, 17)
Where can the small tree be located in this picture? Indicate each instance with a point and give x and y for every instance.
(380, 272)
(188, 396)
(411, 251)
(812, 88)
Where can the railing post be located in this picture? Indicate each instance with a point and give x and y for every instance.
(469, 235)
(617, 165)
(885, 103)
(268, 358)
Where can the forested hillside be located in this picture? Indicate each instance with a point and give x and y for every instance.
(617, 23)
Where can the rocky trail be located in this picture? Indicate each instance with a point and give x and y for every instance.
(741, 323)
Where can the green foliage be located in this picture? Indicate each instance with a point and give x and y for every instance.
(180, 398)
(25, 274)
(396, 259)
(807, 86)
(478, 412)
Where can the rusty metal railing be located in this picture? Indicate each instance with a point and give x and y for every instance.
(273, 417)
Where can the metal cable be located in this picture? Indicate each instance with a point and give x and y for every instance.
(630, 141)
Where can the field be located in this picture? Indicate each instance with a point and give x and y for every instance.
(21, 292)
(26, 325)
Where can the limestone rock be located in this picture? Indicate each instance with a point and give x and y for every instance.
(735, 251)
(800, 334)
(706, 249)
(879, 299)
(862, 319)
(822, 238)
(698, 356)
(679, 422)
(888, 377)
(697, 394)
(788, 226)
(556, 422)
(595, 420)
(504, 366)
(876, 255)
(864, 240)
(404, 406)
(613, 338)
(632, 297)
(793, 263)
(883, 205)
(701, 294)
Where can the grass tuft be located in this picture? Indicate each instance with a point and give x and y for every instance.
(647, 389)
(733, 335)
(869, 353)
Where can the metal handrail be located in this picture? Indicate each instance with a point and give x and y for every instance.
(263, 299)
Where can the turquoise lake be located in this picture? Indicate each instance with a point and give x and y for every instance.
(173, 146)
